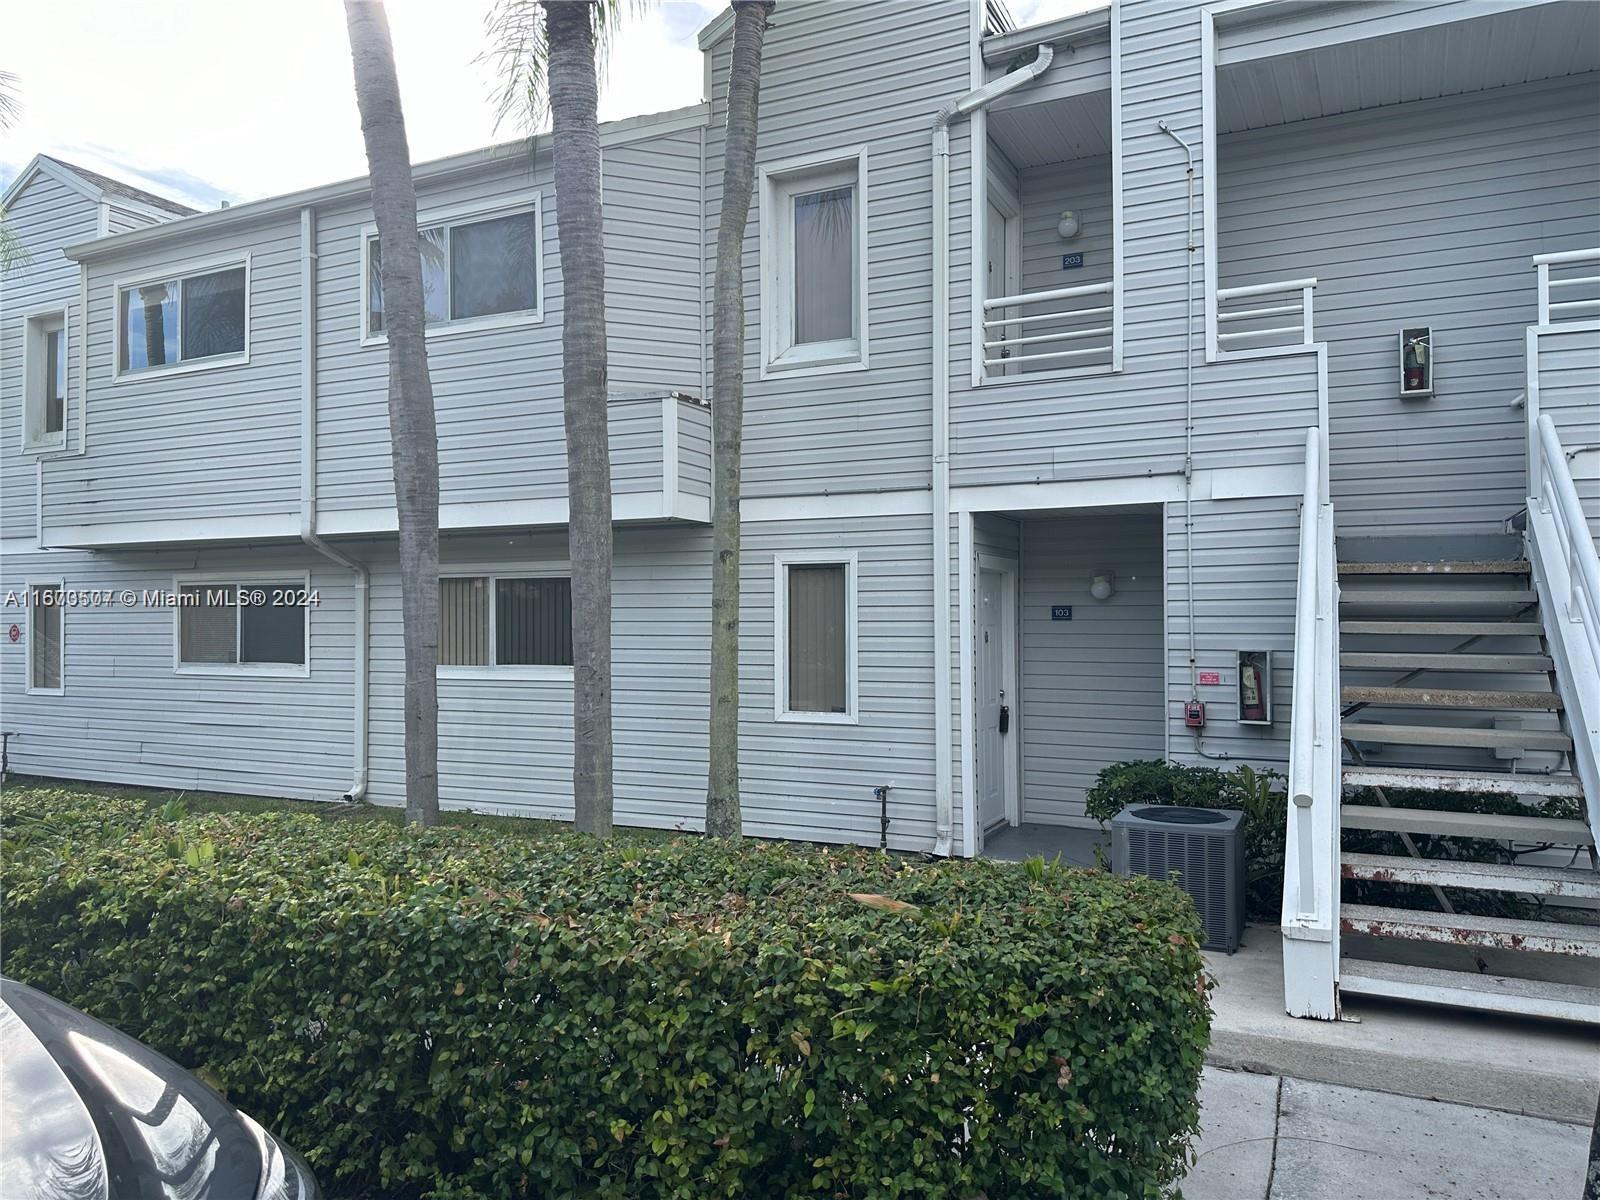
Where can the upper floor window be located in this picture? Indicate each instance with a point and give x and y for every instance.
(814, 264)
(482, 270)
(44, 417)
(506, 621)
(200, 317)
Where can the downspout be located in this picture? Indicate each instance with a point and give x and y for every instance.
(942, 690)
(308, 490)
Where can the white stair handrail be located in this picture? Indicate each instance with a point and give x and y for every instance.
(1566, 573)
(1310, 916)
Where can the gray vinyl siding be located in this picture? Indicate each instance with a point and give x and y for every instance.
(837, 77)
(121, 220)
(126, 715)
(500, 388)
(202, 445)
(45, 216)
(1043, 427)
(1569, 392)
(815, 781)
(1092, 687)
(1427, 220)
(1246, 556)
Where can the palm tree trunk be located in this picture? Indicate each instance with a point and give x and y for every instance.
(574, 100)
(413, 436)
(727, 413)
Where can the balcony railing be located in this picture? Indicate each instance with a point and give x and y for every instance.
(1059, 329)
(1574, 277)
(1265, 317)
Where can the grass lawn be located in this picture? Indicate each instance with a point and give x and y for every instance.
(219, 802)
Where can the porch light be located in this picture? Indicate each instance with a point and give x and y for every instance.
(1104, 586)
(1068, 226)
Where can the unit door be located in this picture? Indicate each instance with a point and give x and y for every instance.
(991, 679)
(1002, 281)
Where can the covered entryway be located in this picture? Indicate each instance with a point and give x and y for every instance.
(1068, 668)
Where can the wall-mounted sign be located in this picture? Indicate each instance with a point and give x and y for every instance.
(1210, 678)
(1061, 612)
(1069, 261)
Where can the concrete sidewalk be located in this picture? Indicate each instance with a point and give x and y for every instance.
(1265, 1137)
(1486, 1060)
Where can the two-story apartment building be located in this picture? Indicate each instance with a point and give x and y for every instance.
(1041, 323)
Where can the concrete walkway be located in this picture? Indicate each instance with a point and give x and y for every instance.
(1265, 1137)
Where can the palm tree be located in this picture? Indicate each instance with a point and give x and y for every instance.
(727, 412)
(13, 254)
(546, 51)
(413, 435)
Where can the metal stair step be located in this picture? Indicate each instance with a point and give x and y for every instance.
(1443, 735)
(1451, 698)
(1463, 929)
(1503, 827)
(1405, 628)
(1462, 989)
(1438, 597)
(1491, 877)
(1493, 566)
(1359, 660)
(1429, 779)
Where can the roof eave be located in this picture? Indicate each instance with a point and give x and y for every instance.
(1002, 47)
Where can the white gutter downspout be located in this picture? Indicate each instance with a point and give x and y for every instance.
(942, 700)
(308, 489)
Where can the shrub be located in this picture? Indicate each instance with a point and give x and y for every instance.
(1256, 793)
(460, 1013)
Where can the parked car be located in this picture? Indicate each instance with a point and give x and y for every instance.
(87, 1113)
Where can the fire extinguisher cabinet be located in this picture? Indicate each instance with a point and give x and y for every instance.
(1255, 687)
(1416, 363)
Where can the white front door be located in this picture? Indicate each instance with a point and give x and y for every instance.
(992, 652)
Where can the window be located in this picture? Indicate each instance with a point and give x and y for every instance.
(487, 267)
(44, 638)
(816, 638)
(506, 621)
(229, 625)
(193, 318)
(45, 368)
(813, 265)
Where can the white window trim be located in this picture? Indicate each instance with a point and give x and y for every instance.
(236, 669)
(461, 215)
(178, 271)
(778, 182)
(53, 441)
(61, 672)
(550, 672)
(781, 563)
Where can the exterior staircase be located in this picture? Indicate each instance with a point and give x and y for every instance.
(1446, 685)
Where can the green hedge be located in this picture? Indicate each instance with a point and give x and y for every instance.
(459, 1013)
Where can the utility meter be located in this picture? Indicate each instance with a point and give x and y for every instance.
(1416, 363)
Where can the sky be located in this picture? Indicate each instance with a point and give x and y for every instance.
(209, 101)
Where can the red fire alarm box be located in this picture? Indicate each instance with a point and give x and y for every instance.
(1194, 714)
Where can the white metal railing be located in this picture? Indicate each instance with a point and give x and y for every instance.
(1273, 316)
(1566, 573)
(1310, 916)
(1044, 321)
(1569, 273)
